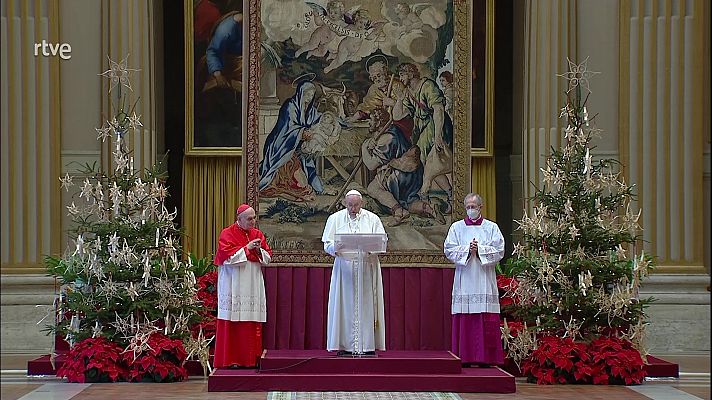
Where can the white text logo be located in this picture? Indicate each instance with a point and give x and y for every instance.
(64, 50)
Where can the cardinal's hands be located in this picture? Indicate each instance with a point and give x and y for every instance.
(254, 244)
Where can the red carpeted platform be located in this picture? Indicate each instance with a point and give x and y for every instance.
(659, 368)
(655, 368)
(43, 366)
(318, 370)
(321, 361)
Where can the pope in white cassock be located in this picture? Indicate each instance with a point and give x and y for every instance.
(475, 245)
(346, 333)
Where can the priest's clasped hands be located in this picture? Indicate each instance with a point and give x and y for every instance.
(254, 244)
(473, 246)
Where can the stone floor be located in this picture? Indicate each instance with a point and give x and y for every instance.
(694, 383)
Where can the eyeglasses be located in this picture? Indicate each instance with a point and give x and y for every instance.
(473, 207)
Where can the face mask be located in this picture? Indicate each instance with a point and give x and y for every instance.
(473, 214)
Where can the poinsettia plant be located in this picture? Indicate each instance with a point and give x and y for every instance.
(557, 360)
(509, 325)
(161, 361)
(93, 360)
(615, 361)
(100, 360)
(606, 360)
(208, 290)
(514, 327)
(506, 286)
(207, 283)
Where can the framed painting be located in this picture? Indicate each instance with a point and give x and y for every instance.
(361, 96)
(214, 70)
(481, 77)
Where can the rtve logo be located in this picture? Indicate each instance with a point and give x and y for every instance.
(64, 50)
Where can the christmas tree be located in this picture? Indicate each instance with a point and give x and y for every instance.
(576, 272)
(127, 296)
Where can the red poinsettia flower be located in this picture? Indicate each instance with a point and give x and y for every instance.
(555, 361)
(606, 360)
(208, 290)
(506, 283)
(615, 360)
(514, 327)
(163, 362)
(93, 360)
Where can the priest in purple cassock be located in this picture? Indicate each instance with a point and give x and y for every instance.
(475, 245)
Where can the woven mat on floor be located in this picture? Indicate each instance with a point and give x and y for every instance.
(362, 396)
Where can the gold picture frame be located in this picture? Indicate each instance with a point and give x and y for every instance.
(480, 77)
(297, 241)
(215, 109)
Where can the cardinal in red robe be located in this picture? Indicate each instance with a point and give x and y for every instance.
(242, 304)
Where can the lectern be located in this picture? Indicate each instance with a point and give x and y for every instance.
(357, 247)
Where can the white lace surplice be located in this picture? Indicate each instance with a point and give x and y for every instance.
(241, 288)
(474, 289)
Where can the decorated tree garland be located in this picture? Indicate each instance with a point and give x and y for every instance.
(128, 301)
(576, 273)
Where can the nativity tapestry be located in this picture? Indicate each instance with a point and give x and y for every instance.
(366, 95)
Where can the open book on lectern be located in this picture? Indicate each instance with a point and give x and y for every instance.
(361, 242)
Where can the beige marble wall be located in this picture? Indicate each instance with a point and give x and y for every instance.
(25, 300)
(680, 318)
(678, 328)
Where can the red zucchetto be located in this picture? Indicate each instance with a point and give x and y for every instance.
(242, 208)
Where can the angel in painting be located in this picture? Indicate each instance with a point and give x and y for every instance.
(359, 42)
(409, 19)
(322, 38)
